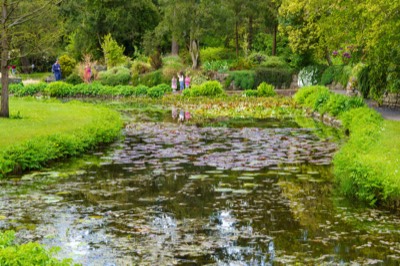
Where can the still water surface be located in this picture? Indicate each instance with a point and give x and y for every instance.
(172, 194)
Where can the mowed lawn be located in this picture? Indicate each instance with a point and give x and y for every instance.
(32, 118)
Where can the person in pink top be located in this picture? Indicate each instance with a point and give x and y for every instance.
(187, 81)
(174, 84)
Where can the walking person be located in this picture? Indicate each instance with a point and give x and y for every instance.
(88, 73)
(56, 69)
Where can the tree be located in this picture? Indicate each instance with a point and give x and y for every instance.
(15, 15)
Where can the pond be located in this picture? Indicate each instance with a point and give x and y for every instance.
(241, 193)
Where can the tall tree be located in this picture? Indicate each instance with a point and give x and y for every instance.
(15, 15)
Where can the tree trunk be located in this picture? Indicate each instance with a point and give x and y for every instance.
(275, 31)
(4, 112)
(237, 38)
(194, 53)
(174, 47)
(250, 37)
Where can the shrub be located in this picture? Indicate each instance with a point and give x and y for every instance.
(74, 79)
(140, 90)
(156, 60)
(59, 89)
(15, 88)
(27, 254)
(215, 54)
(328, 77)
(220, 66)
(241, 64)
(310, 75)
(266, 90)
(164, 87)
(257, 57)
(125, 90)
(274, 62)
(67, 65)
(250, 93)
(113, 53)
(115, 76)
(241, 79)
(140, 67)
(209, 88)
(279, 77)
(155, 92)
(171, 66)
(363, 81)
(28, 90)
(152, 79)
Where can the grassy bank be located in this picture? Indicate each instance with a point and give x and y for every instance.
(367, 167)
(41, 131)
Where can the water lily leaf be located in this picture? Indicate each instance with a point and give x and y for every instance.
(223, 190)
(198, 177)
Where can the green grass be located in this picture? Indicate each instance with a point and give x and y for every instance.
(40, 118)
(43, 131)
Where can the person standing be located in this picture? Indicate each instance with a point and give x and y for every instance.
(174, 85)
(181, 79)
(187, 81)
(56, 69)
(88, 73)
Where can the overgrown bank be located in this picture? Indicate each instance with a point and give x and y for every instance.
(41, 131)
(367, 167)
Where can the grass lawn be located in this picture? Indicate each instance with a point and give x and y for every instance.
(41, 118)
(35, 75)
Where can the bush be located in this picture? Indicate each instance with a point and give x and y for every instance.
(155, 92)
(210, 89)
(28, 90)
(215, 54)
(363, 81)
(257, 57)
(115, 76)
(274, 62)
(220, 66)
(266, 90)
(59, 89)
(67, 65)
(250, 93)
(125, 90)
(140, 67)
(140, 90)
(164, 87)
(152, 79)
(311, 75)
(113, 53)
(241, 79)
(171, 66)
(241, 64)
(27, 254)
(278, 77)
(74, 79)
(156, 60)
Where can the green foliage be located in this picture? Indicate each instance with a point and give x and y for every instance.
(12, 254)
(250, 93)
(63, 130)
(113, 53)
(140, 67)
(67, 65)
(216, 54)
(274, 62)
(209, 89)
(59, 89)
(115, 76)
(164, 87)
(257, 58)
(153, 78)
(30, 89)
(279, 77)
(242, 79)
(266, 90)
(141, 90)
(171, 66)
(155, 92)
(241, 64)
(311, 75)
(156, 60)
(363, 81)
(74, 79)
(220, 66)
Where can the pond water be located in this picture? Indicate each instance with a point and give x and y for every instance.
(168, 194)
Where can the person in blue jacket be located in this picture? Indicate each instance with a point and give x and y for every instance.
(56, 69)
